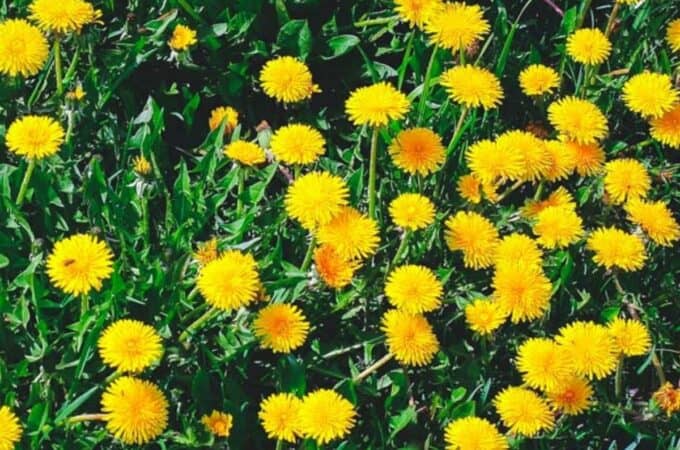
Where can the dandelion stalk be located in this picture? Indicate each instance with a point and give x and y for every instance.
(58, 69)
(612, 19)
(458, 130)
(25, 182)
(373, 164)
(196, 325)
(402, 247)
(239, 192)
(426, 85)
(307, 261)
(373, 367)
(86, 418)
(376, 21)
(405, 59)
(618, 378)
(509, 190)
(84, 305)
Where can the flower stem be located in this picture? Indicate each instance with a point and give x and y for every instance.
(84, 305)
(196, 325)
(618, 378)
(85, 418)
(509, 190)
(279, 444)
(659, 368)
(402, 247)
(24, 183)
(612, 19)
(539, 191)
(372, 368)
(239, 192)
(373, 163)
(58, 70)
(583, 14)
(426, 85)
(376, 21)
(307, 261)
(456, 133)
(405, 60)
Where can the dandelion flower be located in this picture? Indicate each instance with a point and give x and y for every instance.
(484, 315)
(588, 46)
(518, 247)
(34, 137)
(417, 151)
(673, 35)
(10, 429)
(223, 113)
(218, 423)
(655, 219)
(351, 234)
(287, 80)
(325, 415)
(297, 144)
(543, 363)
(475, 236)
(668, 398)
(315, 198)
(130, 346)
(23, 48)
(589, 348)
(572, 396)
(79, 263)
(666, 129)
(182, 38)
(588, 158)
(409, 337)
(141, 165)
(538, 79)
(413, 289)
(559, 197)
(230, 281)
(412, 211)
(64, 16)
(336, 271)
(631, 337)
(522, 290)
(206, 252)
(535, 160)
(558, 227)
(562, 161)
(616, 248)
(245, 153)
(470, 188)
(473, 433)
(376, 105)
(577, 119)
(523, 411)
(281, 327)
(136, 411)
(77, 94)
(415, 12)
(279, 415)
(650, 94)
(626, 179)
(456, 26)
(472, 86)
(489, 162)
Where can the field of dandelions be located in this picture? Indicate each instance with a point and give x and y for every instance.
(307, 224)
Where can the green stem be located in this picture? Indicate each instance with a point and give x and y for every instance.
(190, 10)
(85, 418)
(69, 129)
(58, 70)
(196, 325)
(659, 368)
(405, 60)
(377, 21)
(426, 85)
(25, 182)
(509, 190)
(372, 168)
(307, 261)
(372, 368)
(539, 191)
(279, 444)
(618, 379)
(84, 305)
(612, 19)
(457, 131)
(146, 232)
(239, 193)
(583, 14)
(402, 247)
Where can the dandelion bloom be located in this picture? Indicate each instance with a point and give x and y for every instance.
(297, 144)
(351, 233)
(410, 337)
(141, 165)
(279, 415)
(79, 263)
(230, 281)
(287, 80)
(77, 94)
(376, 105)
(673, 35)
(136, 411)
(336, 271)
(472, 86)
(473, 433)
(23, 48)
(415, 12)
(573, 395)
(666, 129)
(588, 158)
(589, 348)
(523, 411)
(484, 315)
(413, 289)
(470, 188)
(225, 114)
(218, 423)
(475, 236)
(130, 346)
(542, 363)
(518, 247)
(315, 198)
(578, 120)
(182, 38)
(10, 429)
(34, 137)
(538, 79)
(626, 179)
(325, 415)
(631, 337)
(245, 153)
(489, 162)
(616, 248)
(456, 26)
(562, 161)
(588, 46)
(281, 327)
(206, 252)
(650, 94)
(64, 16)
(558, 227)
(522, 290)
(534, 158)
(417, 151)
(668, 398)
(412, 211)
(655, 219)
(559, 197)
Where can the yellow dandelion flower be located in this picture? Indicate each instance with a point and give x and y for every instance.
(415, 12)
(336, 271)
(558, 227)
(650, 94)
(470, 188)
(542, 363)
(522, 290)
(559, 197)
(77, 94)
(315, 198)
(473, 433)
(484, 315)
(64, 16)
(141, 165)
(589, 348)
(280, 327)
(10, 429)
(223, 113)
(412, 211)
(588, 46)
(535, 160)
(673, 35)
(626, 179)
(631, 337)
(287, 80)
(79, 263)
(245, 153)
(23, 48)
(279, 415)
(538, 79)
(136, 411)
(325, 416)
(588, 158)
(182, 38)
(409, 337)
(130, 346)
(668, 398)
(376, 105)
(523, 411)
(472, 86)
(297, 144)
(417, 150)
(413, 289)
(655, 219)
(34, 137)
(230, 281)
(562, 161)
(489, 162)
(475, 236)
(218, 423)
(572, 396)
(456, 26)
(518, 247)
(616, 248)
(577, 119)
(351, 234)
(666, 129)
(206, 252)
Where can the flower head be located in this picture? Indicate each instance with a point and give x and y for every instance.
(409, 337)
(588, 158)
(230, 281)
(281, 327)
(473, 433)
(489, 162)
(297, 144)
(325, 415)
(668, 398)
(534, 159)
(631, 337)
(141, 165)
(351, 233)
(588, 46)
(136, 411)
(518, 247)
(559, 197)
(562, 161)
(616, 248)
(77, 94)
(376, 105)
(415, 12)
(538, 79)
(456, 26)
(34, 137)
(218, 423)
(413, 289)
(522, 290)
(287, 80)
(475, 236)
(315, 198)
(666, 129)
(223, 113)
(484, 315)
(23, 48)
(412, 211)
(523, 411)
(130, 346)
(79, 263)
(573, 395)
(279, 415)
(579, 120)
(10, 429)
(182, 38)
(417, 150)
(589, 348)
(470, 188)
(472, 86)
(206, 252)
(655, 219)
(333, 269)
(650, 94)
(558, 226)
(626, 179)
(65, 16)
(245, 153)
(673, 35)
(543, 363)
